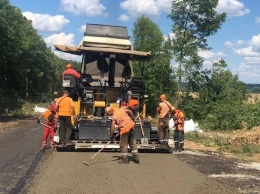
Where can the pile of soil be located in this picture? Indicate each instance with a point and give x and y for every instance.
(238, 138)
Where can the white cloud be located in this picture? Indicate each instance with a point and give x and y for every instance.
(47, 23)
(228, 44)
(67, 56)
(256, 43)
(136, 8)
(82, 28)
(246, 71)
(247, 51)
(172, 36)
(232, 8)
(240, 42)
(164, 5)
(209, 55)
(123, 18)
(257, 20)
(62, 39)
(84, 7)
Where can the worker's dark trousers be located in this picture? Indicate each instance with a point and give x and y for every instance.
(163, 130)
(178, 137)
(65, 128)
(128, 138)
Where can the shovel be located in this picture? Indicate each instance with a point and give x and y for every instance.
(46, 126)
(144, 140)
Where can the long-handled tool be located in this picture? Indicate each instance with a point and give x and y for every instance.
(46, 126)
(144, 140)
(87, 163)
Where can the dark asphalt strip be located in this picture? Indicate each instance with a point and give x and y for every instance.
(22, 181)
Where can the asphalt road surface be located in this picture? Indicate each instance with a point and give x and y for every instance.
(25, 169)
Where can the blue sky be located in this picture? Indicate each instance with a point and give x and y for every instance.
(237, 42)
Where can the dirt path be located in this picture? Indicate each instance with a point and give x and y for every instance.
(157, 173)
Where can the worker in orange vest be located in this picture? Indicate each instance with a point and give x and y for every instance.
(178, 117)
(164, 113)
(70, 70)
(126, 131)
(65, 109)
(49, 129)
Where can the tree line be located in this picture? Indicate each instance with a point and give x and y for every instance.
(28, 68)
(213, 96)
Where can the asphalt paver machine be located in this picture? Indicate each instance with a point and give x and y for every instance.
(107, 79)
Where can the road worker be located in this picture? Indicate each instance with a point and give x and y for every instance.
(164, 113)
(70, 70)
(49, 129)
(178, 135)
(65, 109)
(126, 131)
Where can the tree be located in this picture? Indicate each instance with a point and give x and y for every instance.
(193, 22)
(220, 101)
(158, 71)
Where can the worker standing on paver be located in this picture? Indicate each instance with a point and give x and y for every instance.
(164, 113)
(126, 131)
(178, 136)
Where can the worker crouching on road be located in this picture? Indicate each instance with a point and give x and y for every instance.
(164, 112)
(49, 129)
(126, 131)
(178, 135)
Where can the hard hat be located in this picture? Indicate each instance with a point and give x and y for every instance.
(173, 108)
(108, 109)
(123, 103)
(68, 66)
(132, 103)
(66, 92)
(163, 96)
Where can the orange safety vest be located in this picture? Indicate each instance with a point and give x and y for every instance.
(124, 122)
(46, 114)
(179, 114)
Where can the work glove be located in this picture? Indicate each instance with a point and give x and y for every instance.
(38, 121)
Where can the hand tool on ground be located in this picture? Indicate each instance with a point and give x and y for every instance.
(46, 125)
(87, 163)
(144, 140)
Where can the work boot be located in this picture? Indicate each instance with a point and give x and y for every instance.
(52, 147)
(43, 147)
(136, 158)
(181, 147)
(124, 160)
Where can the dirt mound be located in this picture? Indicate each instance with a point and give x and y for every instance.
(237, 138)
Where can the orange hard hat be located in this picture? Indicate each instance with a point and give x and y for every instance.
(132, 103)
(163, 96)
(69, 66)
